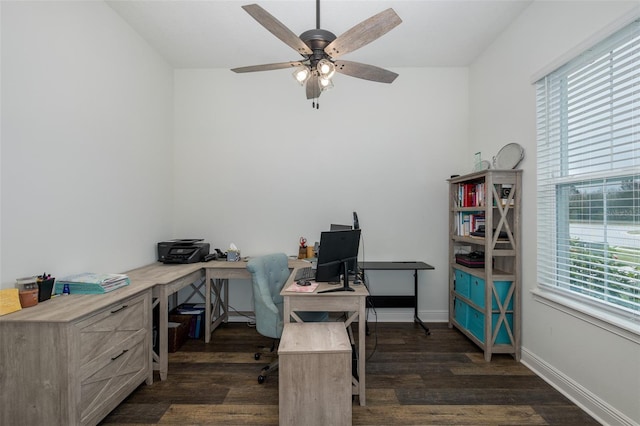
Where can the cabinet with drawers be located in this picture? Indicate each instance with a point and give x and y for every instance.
(484, 259)
(73, 359)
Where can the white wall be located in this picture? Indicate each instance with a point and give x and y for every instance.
(86, 141)
(88, 162)
(599, 369)
(257, 166)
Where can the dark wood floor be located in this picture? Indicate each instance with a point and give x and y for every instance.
(412, 379)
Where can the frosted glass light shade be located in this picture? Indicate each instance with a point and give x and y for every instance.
(302, 75)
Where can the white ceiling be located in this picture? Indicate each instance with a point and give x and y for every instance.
(220, 34)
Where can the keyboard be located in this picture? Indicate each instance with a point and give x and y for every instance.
(305, 274)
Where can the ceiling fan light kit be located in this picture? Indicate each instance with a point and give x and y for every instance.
(320, 48)
(302, 74)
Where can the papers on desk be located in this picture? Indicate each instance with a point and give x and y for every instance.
(9, 301)
(303, 288)
(91, 283)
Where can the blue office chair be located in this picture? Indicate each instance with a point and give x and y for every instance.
(268, 275)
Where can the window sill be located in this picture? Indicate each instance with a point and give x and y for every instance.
(623, 327)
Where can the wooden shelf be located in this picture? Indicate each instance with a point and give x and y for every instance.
(484, 303)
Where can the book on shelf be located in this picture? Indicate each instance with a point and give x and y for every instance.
(469, 223)
(471, 194)
(91, 283)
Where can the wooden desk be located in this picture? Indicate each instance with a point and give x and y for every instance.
(218, 274)
(168, 279)
(351, 302)
(72, 359)
(314, 370)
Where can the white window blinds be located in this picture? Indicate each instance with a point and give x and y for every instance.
(588, 131)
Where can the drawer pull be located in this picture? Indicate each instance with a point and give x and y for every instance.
(119, 309)
(124, 351)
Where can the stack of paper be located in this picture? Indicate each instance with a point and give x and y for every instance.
(92, 283)
(9, 301)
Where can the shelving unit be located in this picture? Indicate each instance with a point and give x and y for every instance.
(491, 198)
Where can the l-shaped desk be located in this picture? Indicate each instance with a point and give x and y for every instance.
(98, 335)
(169, 279)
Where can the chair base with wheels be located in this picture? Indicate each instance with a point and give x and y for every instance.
(273, 366)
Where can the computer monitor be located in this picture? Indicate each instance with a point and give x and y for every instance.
(336, 227)
(337, 250)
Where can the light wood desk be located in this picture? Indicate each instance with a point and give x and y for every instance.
(72, 359)
(168, 279)
(314, 374)
(352, 302)
(79, 356)
(218, 274)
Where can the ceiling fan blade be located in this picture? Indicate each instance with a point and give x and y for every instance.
(277, 28)
(364, 71)
(268, 67)
(313, 88)
(363, 33)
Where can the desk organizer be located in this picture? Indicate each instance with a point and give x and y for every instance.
(45, 288)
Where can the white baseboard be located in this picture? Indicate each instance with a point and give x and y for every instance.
(579, 395)
(405, 315)
(381, 315)
(388, 315)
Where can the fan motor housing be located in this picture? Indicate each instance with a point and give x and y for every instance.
(317, 39)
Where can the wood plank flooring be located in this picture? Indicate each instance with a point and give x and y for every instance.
(412, 379)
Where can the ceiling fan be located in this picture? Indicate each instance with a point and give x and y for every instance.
(321, 48)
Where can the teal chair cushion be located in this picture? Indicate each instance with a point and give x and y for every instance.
(269, 273)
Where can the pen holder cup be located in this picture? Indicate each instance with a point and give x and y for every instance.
(28, 298)
(45, 288)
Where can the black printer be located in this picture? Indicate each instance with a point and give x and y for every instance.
(182, 251)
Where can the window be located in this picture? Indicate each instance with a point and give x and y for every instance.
(588, 131)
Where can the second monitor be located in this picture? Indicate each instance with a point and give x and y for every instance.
(338, 249)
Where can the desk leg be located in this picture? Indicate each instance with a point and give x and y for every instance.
(225, 307)
(286, 310)
(362, 353)
(415, 303)
(207, 309)
(163, 332)
(218, 305)
(154, 356)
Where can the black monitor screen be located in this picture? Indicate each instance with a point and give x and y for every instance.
(336, 247)
(336, 227)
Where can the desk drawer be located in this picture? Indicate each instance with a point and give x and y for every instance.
(114, 355)
(122, 371)
(111, 327)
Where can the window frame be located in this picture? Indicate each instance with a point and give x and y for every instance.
(554, 293)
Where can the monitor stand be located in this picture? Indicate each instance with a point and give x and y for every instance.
(345, 287)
